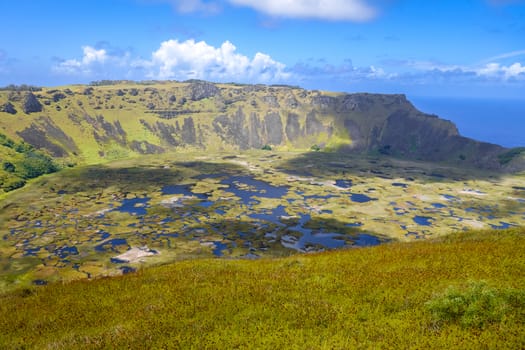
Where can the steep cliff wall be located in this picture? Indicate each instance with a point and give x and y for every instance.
(90, 123)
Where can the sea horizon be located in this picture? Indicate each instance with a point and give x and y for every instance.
(495, 120)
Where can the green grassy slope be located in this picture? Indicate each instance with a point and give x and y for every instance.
(357, 298)
(96, 123)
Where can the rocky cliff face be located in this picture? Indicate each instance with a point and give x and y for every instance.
(124, 118)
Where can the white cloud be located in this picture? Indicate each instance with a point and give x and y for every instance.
(93, 55)
(101, 63)
(180, 60)
(493, 71)
(198, 60)
(514, 70)
(85, 65)
(190, 59)
(353, 10)
(496, 70)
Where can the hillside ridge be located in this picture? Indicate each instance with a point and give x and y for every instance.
(113, 120)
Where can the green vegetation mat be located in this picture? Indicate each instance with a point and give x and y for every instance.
(108, 219)
(463, 291)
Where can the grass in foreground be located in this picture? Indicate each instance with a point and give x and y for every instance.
(463, 291)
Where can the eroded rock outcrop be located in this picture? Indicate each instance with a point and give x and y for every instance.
(8, 107)
(202, 89)
(45, 134)
(31, 104)
(188, 132)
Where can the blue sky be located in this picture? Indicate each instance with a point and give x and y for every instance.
(473, 48)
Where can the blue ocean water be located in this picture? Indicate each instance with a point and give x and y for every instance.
(498, 121)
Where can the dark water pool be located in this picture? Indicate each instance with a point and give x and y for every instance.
(246, 187)
(103, 235)
(343, 183)
(309, 238)
(273, 216)
(184, 190)
(450, 197)
(39, 282)
(399, 184)
(502, 225)
(329, 240)
(360, 198)
(66, 251)
(111, 244)
(219, 247)
(366, 240)
(423, 220)
(127, 269)
(438, 205)
(31, 251)
(134, 206)
(206, 204)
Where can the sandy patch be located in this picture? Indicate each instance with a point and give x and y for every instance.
(423, 197)
(136, 254)
(474, 223)
(473, 192)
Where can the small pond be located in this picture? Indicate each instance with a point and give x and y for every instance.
(366, 240)
(111, 244)
(66, 251)
(343, 183)
(134, 206)
(246, 187)
(31, 251)
(273, 216)
(438, 205)
(502, 226)
(399, 184)
(219, 247)
(310, 239)
(360, 198)
(423, 220)
(127, 269)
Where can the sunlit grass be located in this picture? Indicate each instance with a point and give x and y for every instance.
(356, 298)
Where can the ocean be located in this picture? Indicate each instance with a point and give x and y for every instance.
(496, 121)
